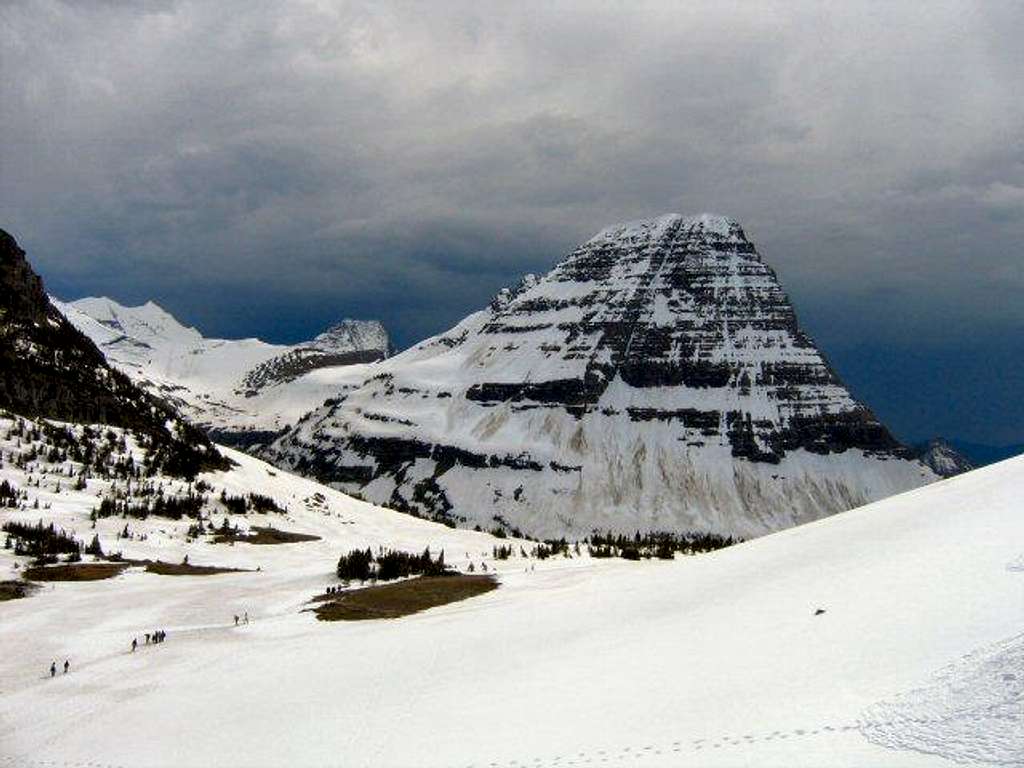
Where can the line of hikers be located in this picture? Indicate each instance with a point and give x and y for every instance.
(157, 636)
(154, 637)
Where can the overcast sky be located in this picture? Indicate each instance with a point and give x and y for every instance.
(264, 168)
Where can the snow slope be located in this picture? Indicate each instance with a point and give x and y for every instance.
(229, 386)
(716, 660)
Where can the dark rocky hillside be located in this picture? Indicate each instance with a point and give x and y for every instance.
(48, 369)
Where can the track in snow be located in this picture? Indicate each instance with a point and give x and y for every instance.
(972, 711)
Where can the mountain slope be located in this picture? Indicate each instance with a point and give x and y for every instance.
(50, 369)
(238, 389)
(884, 636)
(655, 379)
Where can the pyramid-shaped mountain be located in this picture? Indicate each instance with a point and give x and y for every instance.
(656, 379)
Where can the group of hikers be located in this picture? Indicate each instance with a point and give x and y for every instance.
(151, 638)
(157, 636)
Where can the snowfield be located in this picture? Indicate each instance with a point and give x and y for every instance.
(715, 660)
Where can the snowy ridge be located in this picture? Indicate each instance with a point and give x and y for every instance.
(231, 387)
(654, 379)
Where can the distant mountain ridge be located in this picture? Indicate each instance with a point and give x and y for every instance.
(655, 379)
(241, 390)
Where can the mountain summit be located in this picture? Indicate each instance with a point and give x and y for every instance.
(656, 379)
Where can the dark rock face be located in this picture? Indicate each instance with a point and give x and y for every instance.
(299, 362)
(663, 313)
(655, 377)
(350, 342)
(49, 369)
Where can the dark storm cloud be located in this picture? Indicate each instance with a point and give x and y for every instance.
(262, 168)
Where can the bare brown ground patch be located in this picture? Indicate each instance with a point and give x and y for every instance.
(402, 598)
(82, 572)
(187, 569)
(265, 536)
(15, 590)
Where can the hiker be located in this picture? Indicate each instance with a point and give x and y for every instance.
(67, 666)
(53, 669)
(147, 638)
(135, 644)
(236, 619)
(246, 619)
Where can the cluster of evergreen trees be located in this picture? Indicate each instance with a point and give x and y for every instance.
(264, 504)
(44, 542)
(257, 502)
(662, 545)
(173, 507)
(105, 453)
(388, 564)
(8, 495)
(96, 452)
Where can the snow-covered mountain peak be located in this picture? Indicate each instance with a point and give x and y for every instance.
(651, 230)
(943, 459)
(656, 378)
(147, 322)
(348, 334)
